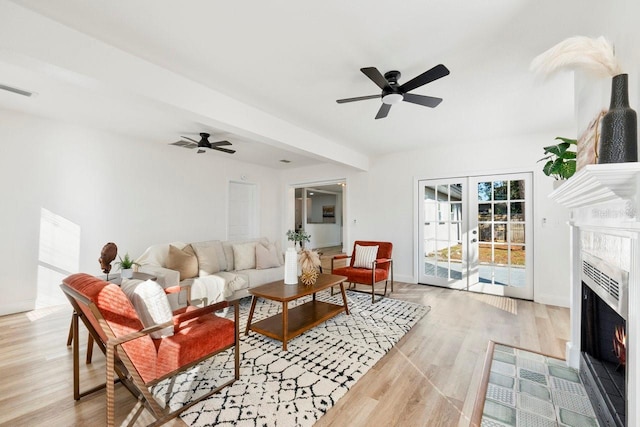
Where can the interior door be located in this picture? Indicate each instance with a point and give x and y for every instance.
(442, 232)
(474, 233)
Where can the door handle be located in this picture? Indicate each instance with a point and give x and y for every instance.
(474, 240)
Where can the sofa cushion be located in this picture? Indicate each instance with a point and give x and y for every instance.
(244, 256)
(207, 253)
(364, 256)
(151, 304)
(157, 254)
(267, 256)
(184, 261)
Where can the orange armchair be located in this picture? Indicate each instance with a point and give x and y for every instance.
(139, 360)
(379, 269)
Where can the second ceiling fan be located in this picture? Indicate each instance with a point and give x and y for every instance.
(392, 92)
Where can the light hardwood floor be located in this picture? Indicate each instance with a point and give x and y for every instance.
(429, 379)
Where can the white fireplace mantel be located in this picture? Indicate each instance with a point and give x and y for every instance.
(597, 184)
(605, 198)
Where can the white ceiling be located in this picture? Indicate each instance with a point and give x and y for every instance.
(293, 59)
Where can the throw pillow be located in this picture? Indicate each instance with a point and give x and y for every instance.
(207, 257)
(364, 256)
(266, 256)
(184, 261)
(244, 256)
(151, 304)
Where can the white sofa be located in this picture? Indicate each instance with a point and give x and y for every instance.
(223, 269)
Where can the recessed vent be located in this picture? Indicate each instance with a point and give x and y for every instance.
(16, 90)
(602, 280)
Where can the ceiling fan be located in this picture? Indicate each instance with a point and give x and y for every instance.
(392, 92)
(203, 143)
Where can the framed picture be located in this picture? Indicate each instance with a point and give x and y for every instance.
(587, 149)
(329, 211)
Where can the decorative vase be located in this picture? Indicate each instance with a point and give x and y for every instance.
(126, 273)
(618, 137)
(291, 267)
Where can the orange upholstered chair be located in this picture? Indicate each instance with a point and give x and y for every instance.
(139, 360)
(367, 266)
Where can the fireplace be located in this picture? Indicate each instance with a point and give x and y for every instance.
(604, 202)
(602, 326)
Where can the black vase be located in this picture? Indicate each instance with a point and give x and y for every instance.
(619, 135)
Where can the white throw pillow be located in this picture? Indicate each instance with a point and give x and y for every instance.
(151, 304)
(207, 257)
(244, 256)
(364, 256)
(266, 256)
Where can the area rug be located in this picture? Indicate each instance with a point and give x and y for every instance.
(523, 388)
(296, 387)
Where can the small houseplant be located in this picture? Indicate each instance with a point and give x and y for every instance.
(298, 237)
(126, 266)
(561, 163)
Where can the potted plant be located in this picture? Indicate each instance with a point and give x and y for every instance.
(298, 237)
(561, 163)
(125, 265)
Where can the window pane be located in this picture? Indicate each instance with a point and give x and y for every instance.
(443, 192)
(501, 254)
(456, 211)
(500, 212)
(429, 193)
(485, 252)
(499, 232)
(484, 191)
(517, 233)
(518, 253)
(500, 190)
(484, 232)
(517, 190)
(484, 212)
(455, 192)
(517, 211)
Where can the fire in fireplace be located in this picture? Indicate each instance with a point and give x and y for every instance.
(603, 340)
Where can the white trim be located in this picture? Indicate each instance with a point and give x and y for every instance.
(17, 307)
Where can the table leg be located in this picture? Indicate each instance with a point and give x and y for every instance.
(344, 298)
(285, 324)
(253, 307)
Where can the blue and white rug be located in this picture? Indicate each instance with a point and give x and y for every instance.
(296, 387)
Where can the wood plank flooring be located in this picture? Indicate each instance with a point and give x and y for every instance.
(429, 379)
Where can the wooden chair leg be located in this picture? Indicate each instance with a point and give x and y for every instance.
(89, 349)
(70, 337)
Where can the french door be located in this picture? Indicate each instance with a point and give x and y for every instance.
(474, 234)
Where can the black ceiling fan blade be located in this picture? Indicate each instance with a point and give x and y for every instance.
(219, 143)
(186, 137)
(383, 111)
(376, 77)
(359, 98)
(435, 73)
(427, 101)
(223, 150)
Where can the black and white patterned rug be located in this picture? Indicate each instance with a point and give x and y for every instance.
(294, 387)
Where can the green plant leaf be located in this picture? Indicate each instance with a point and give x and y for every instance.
(567, 140)
(547, 168)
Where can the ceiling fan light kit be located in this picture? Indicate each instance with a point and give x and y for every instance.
(392, 93)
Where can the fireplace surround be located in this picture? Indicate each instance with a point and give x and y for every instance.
(605, 269)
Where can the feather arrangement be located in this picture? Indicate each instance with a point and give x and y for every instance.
(584, 53)
(309, 260)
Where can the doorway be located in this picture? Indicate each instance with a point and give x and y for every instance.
(242, 214)
(474, 234)
(319, 209)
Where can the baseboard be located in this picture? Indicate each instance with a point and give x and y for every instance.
(549, 299)
(17, 307)
(403, 278)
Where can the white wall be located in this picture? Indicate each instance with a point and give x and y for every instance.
(380, 203)
(131, 192)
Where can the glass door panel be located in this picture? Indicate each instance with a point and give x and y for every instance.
(499, 212)
(442, 246)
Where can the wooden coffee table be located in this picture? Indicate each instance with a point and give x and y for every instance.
(292, 322)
